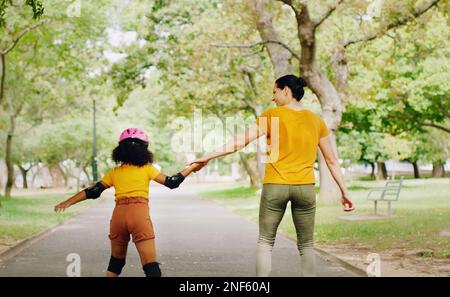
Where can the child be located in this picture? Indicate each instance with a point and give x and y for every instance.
(131, 214)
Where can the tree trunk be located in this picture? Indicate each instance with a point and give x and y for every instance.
(78, 181)
(438, 170)
(13, 114)
(260, 166)
(57, 178)
(381, 171)
(87, 174)
(384, 170)
(24, 176)
(372, 172)
(416, 170)
(8, 157)
(2, 76)
(35, 174)
(329, 191)
(329, 98)
(340, 70)
(279, 55)
(254, 178)
(257, 109)
(64, 175)
(68, 173)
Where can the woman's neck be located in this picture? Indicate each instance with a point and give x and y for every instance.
(294, 104)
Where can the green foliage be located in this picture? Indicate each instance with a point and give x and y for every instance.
(358, 137)
(193, 71)
(397, 148)
(349, 148)
(45, 81)
(241, 192)
(408, 86)
(36, 7)
(183, 60)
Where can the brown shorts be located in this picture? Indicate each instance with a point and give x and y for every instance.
(131, 216)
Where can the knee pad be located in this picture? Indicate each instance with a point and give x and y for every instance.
(152, 269)
(116, 265)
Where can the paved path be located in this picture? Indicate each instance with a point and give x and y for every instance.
(195, 237)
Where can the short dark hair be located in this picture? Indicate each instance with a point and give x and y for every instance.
(132, 151)
(296, 84)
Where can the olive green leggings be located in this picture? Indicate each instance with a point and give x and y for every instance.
(274, 199)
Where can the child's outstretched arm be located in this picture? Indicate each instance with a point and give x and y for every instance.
(175, 180)
(92, 192)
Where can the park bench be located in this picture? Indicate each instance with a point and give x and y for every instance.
(390, 192)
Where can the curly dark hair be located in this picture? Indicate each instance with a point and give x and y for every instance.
(132, 151)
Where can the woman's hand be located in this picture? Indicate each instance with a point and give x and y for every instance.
(196, 166)
(62, 206)
(347, 203)
(203, 161)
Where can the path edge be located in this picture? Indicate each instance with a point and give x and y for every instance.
(350, 267)
(27, 242)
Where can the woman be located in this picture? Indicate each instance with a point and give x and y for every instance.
(289, 173)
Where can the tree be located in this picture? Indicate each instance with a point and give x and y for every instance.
(35, 5)
(45, 56)
(436, 152)
(66, 146)
(234, 82)
(24, 156)
(331, 94)
(407, 87)
(8, 43)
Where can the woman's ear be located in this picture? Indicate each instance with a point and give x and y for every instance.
(285, 91)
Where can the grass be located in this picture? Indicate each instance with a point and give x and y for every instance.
(21, 217)
(421, 213)
(240, 192)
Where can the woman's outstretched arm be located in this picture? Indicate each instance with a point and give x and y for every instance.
(233, 145)
(335, 169)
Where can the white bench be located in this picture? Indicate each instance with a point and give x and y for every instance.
(389, 193)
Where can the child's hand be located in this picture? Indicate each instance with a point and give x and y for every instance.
(203, 160)
(62, 206)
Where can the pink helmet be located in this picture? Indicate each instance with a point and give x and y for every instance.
(133, 133)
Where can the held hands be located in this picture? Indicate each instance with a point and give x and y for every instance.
(197, 166)
(347, 203)
(199, 163)
(62, 206)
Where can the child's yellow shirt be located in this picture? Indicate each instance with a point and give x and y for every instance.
(130, 180)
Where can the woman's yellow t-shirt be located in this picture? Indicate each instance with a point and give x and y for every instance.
(130, 180)
(296, 141)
